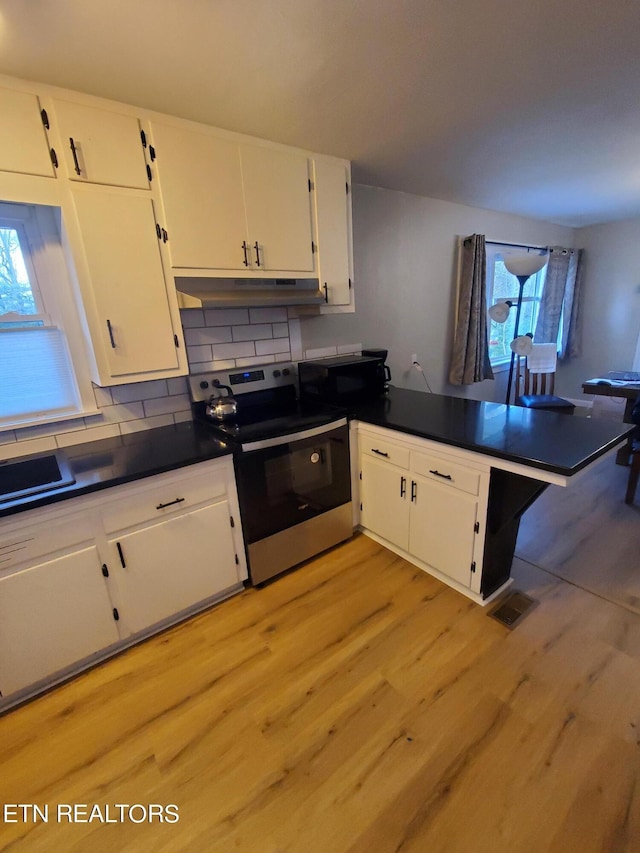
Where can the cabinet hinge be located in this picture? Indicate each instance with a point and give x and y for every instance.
(45, 118)
(116, 615)
(143, 138)
(231, 521)
(105, 570)
(476, 527)
(54, 157)
(149, 173)
(473, 567)
(176, 341)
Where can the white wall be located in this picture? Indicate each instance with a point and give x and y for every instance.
(611, 317)
(405, 267)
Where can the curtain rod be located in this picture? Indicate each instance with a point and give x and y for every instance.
(515, 245)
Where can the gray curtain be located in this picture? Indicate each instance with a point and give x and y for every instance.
(561, 297)
(470, 361)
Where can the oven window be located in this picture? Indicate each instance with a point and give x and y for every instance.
(288, 484)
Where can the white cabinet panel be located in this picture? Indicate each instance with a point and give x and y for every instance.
(133, 325)
(166, 567)
(442, 528)
(52, 615)
(333, 223)
(276, 191)
(100, 146)
(385, 510)
(23, 143)
(201, 187)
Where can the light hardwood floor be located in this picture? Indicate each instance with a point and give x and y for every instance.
(355, 704)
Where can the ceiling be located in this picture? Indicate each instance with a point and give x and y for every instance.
(526, 107)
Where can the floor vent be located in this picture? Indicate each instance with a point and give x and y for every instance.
(512, 609)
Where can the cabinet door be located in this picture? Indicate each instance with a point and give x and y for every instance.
(201, 186)
(442, 528)
(100, 146)
(333, 223)
(52, 615)
(23, 142)
(278, 206)
(383, 494)
(122, 252)
(164, 568)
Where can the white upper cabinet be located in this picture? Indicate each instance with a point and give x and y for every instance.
(100, 146)
(231, 205)
(332, 183)
(201, 187)
(278, 206)
(132, 328)
(23, 141)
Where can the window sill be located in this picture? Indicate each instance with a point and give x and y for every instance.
(53, 419)
(501, 367)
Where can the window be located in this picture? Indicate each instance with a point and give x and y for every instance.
(503, 286)
(42, 377)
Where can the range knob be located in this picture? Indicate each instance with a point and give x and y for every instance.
(204, 384)
(276, 373)
(285, 371)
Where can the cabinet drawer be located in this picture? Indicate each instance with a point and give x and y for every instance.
(384, 450)
(162, 497)
(23, 543)
(441, 470)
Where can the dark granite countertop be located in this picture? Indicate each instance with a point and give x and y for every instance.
(559, 443)
(112, 461)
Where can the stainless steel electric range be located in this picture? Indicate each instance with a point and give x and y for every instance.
(291, 462)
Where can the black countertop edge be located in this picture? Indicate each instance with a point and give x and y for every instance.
(548, 441)
(108, 462)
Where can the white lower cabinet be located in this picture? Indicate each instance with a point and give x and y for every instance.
(170, 565)
(84, 578)
(429, 506)
(52, 614)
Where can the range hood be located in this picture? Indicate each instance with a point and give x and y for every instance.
(247, 292)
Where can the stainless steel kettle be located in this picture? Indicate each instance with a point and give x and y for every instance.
(222, 408)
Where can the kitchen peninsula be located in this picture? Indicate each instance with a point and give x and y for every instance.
(445, 480)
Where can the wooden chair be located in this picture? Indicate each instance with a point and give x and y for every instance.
(534, 390)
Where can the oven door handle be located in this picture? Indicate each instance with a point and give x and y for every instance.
(294, 436)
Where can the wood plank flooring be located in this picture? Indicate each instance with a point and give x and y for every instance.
(355, 704)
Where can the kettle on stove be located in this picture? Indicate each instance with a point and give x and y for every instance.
(222, 408)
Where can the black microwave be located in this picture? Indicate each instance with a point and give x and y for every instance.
(342, 380)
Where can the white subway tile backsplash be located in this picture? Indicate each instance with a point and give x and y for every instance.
(197, 354)
(253, 361)
(177, 385)
(23, 448)
(280, 330)
(237, 350)
(226, 316)
(192, 318)
(252, 333)
(280, 345)
(138, 391)
(320, 352)
(167, 405)
(117, 414)
(267, 315)
(349, 349)
(95, 433)
(147, 423)
(208, 335)
(179, 417)
(8, 437)
(102, 395)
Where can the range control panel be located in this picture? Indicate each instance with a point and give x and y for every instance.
(261, 378)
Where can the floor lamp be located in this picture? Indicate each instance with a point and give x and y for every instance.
(522, 266)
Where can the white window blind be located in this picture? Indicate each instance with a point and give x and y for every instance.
(36, 377)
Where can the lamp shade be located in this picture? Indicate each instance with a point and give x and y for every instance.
(522, 345)
(499, 312)
(522, 264)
